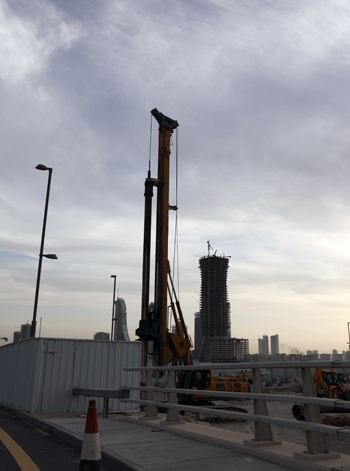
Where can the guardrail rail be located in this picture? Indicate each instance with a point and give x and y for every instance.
(315, 431)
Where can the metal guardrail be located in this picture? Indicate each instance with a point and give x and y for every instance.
(315, 430)
(244, 366)
(105, 393)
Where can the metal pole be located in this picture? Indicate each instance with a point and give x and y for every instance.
(113, 305)
(33, 326)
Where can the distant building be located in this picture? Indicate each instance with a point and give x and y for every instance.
(336, 356)
(263, 346)
(275, 344)
(224, 350)
(325, 356)
(120, 325)
(101, 336)
(346, 355)
(16, 336)
(25, 331)
(312, 356)
(295, 357)
(279, 357)
(266, 340)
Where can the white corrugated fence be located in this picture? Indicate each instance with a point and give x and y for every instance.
(38, 375)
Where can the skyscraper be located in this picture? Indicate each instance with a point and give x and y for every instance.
(120, 325)
(25, 331)
(262, 346)
(266, 341)
(214, 304)
(275, 346)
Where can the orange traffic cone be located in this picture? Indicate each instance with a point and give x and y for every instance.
(90, 459)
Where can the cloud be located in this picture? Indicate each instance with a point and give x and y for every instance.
(30, 38)
(261, 156)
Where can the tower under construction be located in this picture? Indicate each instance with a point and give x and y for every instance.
(216, 343)
(214, 303)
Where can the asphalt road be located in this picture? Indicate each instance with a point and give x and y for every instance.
(33, 449)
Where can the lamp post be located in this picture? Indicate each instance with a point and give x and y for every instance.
(41, 254)
(113, 305)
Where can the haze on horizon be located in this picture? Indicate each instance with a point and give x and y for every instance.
(261, 93)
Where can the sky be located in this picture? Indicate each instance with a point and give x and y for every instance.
(259, 163)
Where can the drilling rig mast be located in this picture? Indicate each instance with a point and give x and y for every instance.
(167, 347)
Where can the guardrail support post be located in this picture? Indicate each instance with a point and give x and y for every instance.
(172, 414)
(151, 411)
(105, 408)
(262, 431)
(315, 441)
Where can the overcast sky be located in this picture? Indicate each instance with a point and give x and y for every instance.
(261, 93)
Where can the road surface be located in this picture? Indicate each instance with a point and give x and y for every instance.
(25, 448)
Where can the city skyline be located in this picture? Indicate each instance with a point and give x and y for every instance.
(260, 92)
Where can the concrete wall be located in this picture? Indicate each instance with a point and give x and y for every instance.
(38, 375)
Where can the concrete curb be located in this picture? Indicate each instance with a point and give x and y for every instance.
(279, 454)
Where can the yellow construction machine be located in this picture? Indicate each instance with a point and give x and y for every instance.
(327, 384)
(205, 381)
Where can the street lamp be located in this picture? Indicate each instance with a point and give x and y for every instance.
(41, 254)
(113, 305)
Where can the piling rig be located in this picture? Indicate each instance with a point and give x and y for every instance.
(167, 347)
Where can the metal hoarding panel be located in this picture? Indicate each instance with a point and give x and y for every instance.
(20, 369)
(41, 373)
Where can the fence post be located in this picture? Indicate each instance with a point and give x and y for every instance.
(262, 431)
(315, 441)
(172, 414)
(151, 411)
(105, 408)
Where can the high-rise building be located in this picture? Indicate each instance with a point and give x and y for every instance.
(101, 336)
(25, 331)
(120, 325)
(16, 336)
(214, 303)
(275, 345)
(212, 323)
(266, 340)
(261, 346)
